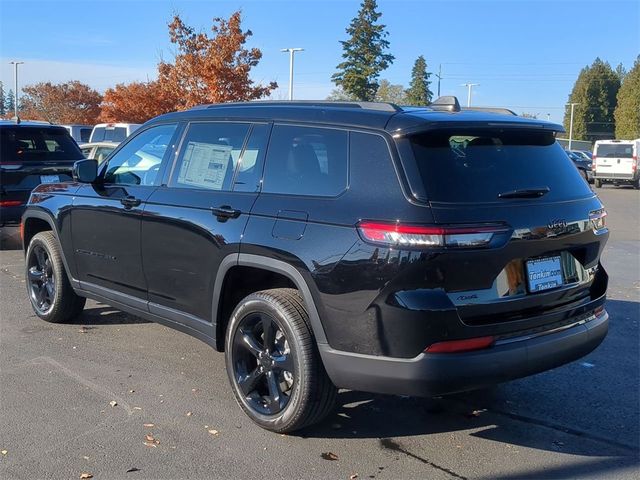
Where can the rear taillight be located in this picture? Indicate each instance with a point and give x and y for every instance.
(457, 346)
(10, 203)
(397, 235)
(593, 163)
(597, 219)
(634, 165)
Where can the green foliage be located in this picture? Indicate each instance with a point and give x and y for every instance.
(627, 112)
(621, 72)
(363, 54)
(338, 94)
(10, 103)
(595, 92)
(388, 92)
(418, 92)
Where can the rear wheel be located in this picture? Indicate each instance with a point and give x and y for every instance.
(598, 183)
(273, 363)
(50, 292)
(636, 184)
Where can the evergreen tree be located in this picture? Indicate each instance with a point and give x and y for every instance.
(3, 111)
(10, 103)
(418, 92)
(627, 112)
(595, 93)
(363, 54)
(621, 72)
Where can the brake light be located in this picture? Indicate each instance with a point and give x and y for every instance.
(10, 203)
(21, 232)
(598, 219)
(394, 234)
(457, 346)
(634, 165)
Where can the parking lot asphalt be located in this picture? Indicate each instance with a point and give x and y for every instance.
(175, 416)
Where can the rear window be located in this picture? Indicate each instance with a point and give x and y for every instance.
(615, 150)
(85, 134)
(471, 166)
(109, 134)
(24, 144)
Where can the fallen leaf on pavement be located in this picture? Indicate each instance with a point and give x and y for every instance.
(133, 469)
(83, 330)
(85, 457)
(329, 456)
(149, 438)
(4, 452)
(137, 408)
(86, 475)
(113, 403)
(213, 432)
(189, 414)
(150, 444)
(353, 477)
(131, 391)
(149, 425)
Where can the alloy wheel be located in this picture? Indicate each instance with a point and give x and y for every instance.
(42, 282)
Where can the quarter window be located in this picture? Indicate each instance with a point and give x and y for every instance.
(210, 153)
(139, 160)
(306, 161)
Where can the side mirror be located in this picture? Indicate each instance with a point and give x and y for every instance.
(85, 171)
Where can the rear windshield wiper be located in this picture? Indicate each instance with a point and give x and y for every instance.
(525, 193)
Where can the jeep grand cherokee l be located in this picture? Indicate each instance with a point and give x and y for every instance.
(417, 251)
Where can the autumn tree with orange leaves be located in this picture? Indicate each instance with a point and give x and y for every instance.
(206, 69)
(63, 103)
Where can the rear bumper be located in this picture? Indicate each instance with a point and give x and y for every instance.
(617, 177)
(440, 374)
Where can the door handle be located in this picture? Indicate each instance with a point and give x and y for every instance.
(130, 201)
(224, 212)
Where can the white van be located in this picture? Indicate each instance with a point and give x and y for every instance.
(112, 132)
(616, 161)
(80, 133)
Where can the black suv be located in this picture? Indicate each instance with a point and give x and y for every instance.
(31, 153)
(416, 251)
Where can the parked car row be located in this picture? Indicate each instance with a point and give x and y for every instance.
(582, 161)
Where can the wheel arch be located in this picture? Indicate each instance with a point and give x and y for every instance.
(279, 273)
(36, 221)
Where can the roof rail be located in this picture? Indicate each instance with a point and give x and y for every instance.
(447, 103)
(492, 110)
(378, 106)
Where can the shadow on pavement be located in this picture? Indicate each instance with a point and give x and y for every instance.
(10, 238)
(105, 315)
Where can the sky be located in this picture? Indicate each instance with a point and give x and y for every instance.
(524, 54)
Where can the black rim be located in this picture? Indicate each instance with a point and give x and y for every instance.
(42, 283)
(263, 366)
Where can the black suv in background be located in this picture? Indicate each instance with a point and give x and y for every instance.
(417, 251)
(31, 153)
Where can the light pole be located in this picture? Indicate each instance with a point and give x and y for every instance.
(469, 87)
(439, 75)
(571, 123)
(15, 87)
(548, 117)
(291, 53)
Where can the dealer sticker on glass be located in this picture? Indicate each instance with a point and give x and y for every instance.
(544, 273)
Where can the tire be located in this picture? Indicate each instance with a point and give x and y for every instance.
(282, 387)
(598, 183)
(48, 287)
(636, 184)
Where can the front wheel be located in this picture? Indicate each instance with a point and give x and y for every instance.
(598, 183)
(50, 292)
(273, 363)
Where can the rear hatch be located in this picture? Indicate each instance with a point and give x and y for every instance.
(525, 229)
(31, 155)
(615, 160)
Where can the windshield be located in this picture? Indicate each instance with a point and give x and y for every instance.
(24, 144)
(616, 150)
(109, 134)
(471, 166)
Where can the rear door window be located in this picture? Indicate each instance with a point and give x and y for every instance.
(615, 150)
(476, 166)
(306, 161)
(209, 155)
(37, 144)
